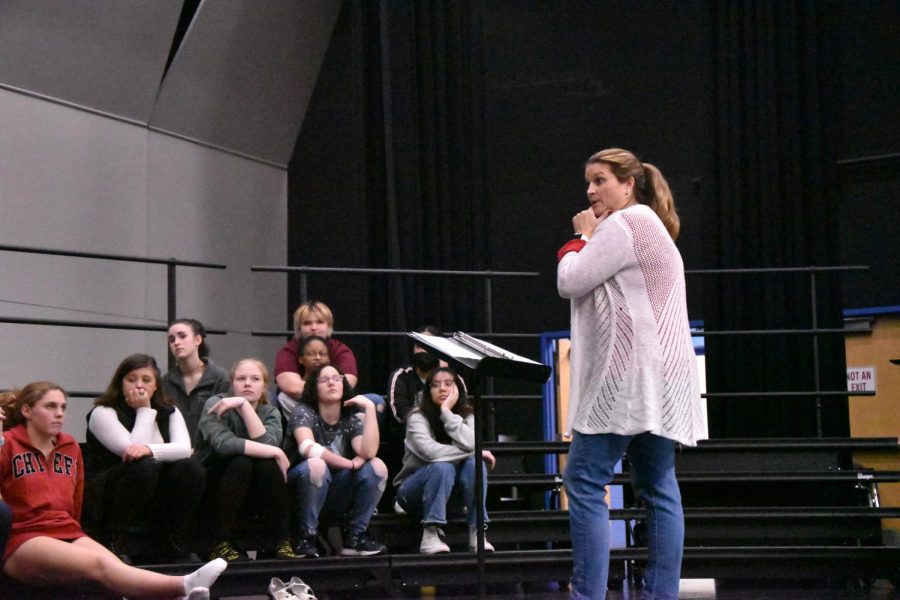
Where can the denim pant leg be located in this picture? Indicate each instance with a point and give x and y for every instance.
(427, 491)
(356, 493)
(652, 461)
(592, 460)
(465, 479)
(310, 499)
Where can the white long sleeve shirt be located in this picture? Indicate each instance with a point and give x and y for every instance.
(110, 432)
(633, 367)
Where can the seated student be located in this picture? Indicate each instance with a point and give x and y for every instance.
(195, 377)
(405, 387)
(407, 383)
(138, 460)
(337, 472)
(311, 318)
(41, 478)
(313, 352)
(239, 444)
(439, 460)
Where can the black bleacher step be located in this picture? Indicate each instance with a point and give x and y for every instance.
(810, 525)
(516, 517)
(327, 573)
(731, 445)
(849, 475)
(399, 570)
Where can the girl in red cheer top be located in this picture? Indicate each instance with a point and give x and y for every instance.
(42, 480)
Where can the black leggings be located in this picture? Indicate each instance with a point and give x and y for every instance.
(243, 484)
(146, 490)
(5, 525)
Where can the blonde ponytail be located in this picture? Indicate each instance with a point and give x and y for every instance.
(659, 198)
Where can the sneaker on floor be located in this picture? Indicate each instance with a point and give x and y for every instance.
(431, 541)
(285, 551)
(300, 590)
(359, 544)
(398, 509)
(473, 542)
(226, 551)
(307, 547)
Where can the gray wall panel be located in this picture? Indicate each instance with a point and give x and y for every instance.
(108, 56)
(80, 181)
(244, 74)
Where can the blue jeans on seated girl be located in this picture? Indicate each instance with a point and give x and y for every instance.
(428, 491)
(353, 494)
(592, 459)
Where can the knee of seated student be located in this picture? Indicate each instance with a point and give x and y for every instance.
(379, 469)
(318, 471)
(378, 466)
(142, 469)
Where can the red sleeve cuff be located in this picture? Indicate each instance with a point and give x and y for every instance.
(570, 246)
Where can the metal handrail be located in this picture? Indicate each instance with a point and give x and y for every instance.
(97, 324)
(171, 287)
(810, 269)
(287, 333)
(116, 257)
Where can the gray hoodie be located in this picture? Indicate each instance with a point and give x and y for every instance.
(423, 449)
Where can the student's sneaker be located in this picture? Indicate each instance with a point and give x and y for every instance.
(432, 542)
(307, 547)
(226, 551)
(284, 551)
(359, 544)
(473, 541)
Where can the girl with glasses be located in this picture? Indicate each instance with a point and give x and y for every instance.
(336, 472)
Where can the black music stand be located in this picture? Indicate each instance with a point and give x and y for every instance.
(482, 359)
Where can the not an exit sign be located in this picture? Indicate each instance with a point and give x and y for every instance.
(861, 379)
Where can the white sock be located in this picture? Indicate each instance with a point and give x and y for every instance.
(205, 576)
(198, 593)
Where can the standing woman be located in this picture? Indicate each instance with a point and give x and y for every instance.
(239, 443)
(440, 460)
(634, 387)
(195, 377)
(338, 473)
(41, 478)
(138, 460)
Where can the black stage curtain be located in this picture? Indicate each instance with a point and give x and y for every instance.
(422, 89)
(775, 206)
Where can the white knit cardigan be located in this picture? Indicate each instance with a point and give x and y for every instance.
(633, 367)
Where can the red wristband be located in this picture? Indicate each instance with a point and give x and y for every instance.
(570, 246)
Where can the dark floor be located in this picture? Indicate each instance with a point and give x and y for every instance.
(691, 589)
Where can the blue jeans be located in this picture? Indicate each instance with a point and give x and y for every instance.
(592, 459)
(428, 491)
(353, 494)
